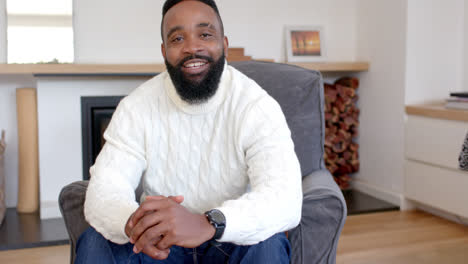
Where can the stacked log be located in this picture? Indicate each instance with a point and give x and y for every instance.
(341, 130)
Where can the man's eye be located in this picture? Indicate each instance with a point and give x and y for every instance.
(176, 39)
(205, 35)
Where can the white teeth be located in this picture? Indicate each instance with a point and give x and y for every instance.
(195, 64)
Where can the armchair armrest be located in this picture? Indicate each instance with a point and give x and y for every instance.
(71, 202)
(324, 212)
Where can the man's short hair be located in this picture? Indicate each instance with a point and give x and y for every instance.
(170, 3)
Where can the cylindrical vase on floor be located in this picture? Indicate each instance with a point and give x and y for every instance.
(28, 171)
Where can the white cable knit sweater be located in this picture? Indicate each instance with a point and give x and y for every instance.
(233, 152)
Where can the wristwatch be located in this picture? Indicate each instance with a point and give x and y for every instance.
(217, 220)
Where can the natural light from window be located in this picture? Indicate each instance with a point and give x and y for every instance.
(40, 31)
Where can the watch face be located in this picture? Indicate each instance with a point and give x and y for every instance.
(217, 216)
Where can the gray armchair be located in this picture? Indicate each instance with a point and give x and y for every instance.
(300, 93)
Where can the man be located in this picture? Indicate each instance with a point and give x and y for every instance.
(221, 181)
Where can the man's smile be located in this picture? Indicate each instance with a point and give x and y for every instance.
(195, 66)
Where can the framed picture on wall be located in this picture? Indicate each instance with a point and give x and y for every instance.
(305, 43)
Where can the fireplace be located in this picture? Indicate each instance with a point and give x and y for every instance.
(62, 131)
(96, 113)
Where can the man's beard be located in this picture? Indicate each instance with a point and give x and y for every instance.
(196, 92)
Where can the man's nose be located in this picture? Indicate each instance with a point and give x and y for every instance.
(192, 45)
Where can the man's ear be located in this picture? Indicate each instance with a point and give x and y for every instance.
(226, 46)
(163, 50)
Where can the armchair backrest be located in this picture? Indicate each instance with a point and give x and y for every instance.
(300, 94)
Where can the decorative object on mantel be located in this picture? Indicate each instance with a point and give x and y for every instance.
(2, 178)
(305, 43)
(28, 172)
(457, 101)
(237, 54)
(341, 129)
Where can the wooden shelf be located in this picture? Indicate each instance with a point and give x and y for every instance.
(357, 66)
(136, 69)
(437, 110)
(81, 68)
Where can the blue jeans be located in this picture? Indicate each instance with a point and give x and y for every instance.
(92, 247)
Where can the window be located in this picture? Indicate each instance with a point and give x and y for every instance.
(40, 31)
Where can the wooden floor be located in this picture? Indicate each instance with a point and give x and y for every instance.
(402, 237)
(40, 255)
(389, 237)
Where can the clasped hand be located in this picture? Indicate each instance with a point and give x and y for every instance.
(161, 222)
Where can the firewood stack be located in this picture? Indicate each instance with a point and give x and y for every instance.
(2, 178)
(341, 129)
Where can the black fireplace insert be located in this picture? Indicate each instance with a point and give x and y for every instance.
(96, 113)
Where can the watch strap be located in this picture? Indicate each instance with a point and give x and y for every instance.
(218, 221)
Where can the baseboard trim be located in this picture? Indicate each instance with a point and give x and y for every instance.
(441, 213)
(50, 209)
(379, 193)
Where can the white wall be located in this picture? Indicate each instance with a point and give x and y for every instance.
(3, 27)
(8, 86)
(117, 31)
(121, 31)
(434, 49)
(465, 46)
(381, 40)
(260, 28)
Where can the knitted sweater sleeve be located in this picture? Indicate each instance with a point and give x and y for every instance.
(110, 197)
(274, 202)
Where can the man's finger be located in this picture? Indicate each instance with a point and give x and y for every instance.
(178, 199)
(149, 206)
(152, 251)
(132, 222)
(150, 237)
(166, 242)
(155, 253)
(147, 221)
(155, 197)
